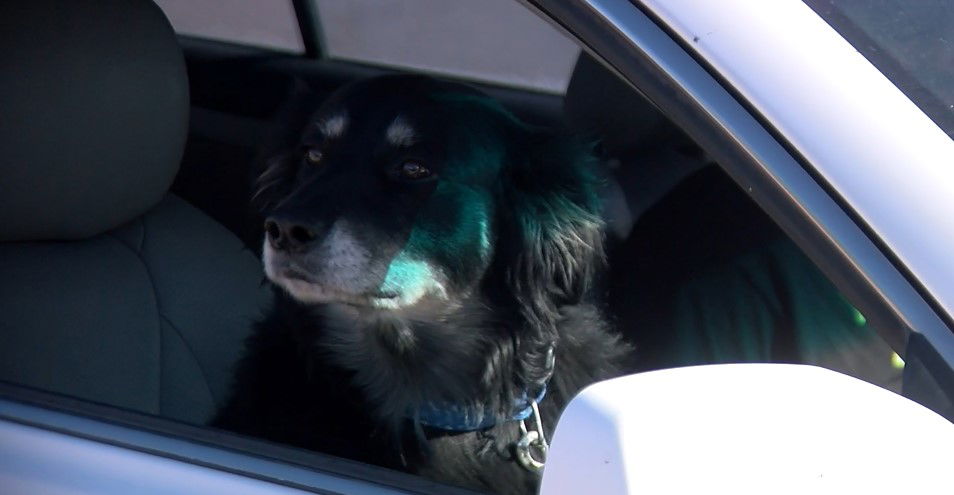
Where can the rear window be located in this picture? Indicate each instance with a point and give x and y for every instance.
(497, 41)
(269, 24)
(494, 41)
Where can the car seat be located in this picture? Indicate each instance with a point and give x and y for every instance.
(111, 289)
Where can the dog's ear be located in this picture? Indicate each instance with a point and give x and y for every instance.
(272, 184)
(275, 164)
(552, 232)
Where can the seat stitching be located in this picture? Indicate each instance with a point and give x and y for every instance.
(155, 298)
(192, 352)
(142, 234)
(161, 316)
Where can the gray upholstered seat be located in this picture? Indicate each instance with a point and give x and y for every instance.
(111, 289)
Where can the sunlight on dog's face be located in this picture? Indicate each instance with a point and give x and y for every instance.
(390, 196)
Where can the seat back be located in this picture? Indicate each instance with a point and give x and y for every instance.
(111, 289)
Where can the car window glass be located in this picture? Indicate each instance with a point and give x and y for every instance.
(269, 24)
(912, 43)
(489, 40)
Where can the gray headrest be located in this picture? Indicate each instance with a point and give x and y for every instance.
(94, 108)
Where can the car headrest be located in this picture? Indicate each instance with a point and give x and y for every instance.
(600, 103)
(94, 107)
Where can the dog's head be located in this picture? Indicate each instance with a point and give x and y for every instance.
(407, 191)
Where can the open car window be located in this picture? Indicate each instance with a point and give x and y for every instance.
(697, 272)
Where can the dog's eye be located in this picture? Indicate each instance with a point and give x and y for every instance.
(313, 157)
(414, 170)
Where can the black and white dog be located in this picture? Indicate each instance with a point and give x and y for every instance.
(433, 252)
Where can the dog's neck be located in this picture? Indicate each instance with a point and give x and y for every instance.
(407, 361)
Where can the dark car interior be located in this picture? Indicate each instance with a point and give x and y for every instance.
(128, 253)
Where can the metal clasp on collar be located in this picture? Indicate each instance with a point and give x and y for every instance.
(531, 440)
(535, 441)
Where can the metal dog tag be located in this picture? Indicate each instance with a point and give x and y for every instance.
(525, 457)
(532, 439)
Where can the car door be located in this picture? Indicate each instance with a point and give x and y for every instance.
(660, 50)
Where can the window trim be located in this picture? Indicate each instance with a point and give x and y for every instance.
(631, 43)
(206, 447)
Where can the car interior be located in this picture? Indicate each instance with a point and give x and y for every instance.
(129, 270)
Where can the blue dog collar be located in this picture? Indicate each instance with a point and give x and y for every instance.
(454, 417)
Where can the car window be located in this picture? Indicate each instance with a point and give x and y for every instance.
(496, 41)
(269, 24)
(912, 43)
(697, 273)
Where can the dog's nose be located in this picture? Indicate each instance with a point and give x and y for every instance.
(288, 236)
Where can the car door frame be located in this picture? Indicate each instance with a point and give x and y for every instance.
(642, 50)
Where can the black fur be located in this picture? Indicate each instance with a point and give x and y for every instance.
(508, 229)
